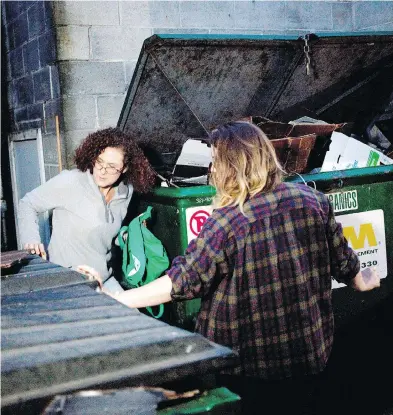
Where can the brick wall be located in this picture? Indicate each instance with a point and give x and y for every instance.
(31, 73)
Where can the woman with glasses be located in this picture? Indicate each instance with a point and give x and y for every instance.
(89, 203)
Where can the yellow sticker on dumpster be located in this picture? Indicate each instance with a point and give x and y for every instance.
(365, 233)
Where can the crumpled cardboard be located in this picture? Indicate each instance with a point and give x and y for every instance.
(295, 140)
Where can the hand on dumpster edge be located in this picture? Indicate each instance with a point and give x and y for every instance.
(366, 280)
(155, 293)
(90, 273)
(36, 248)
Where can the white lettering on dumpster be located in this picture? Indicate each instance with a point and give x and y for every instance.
(196, 218)
(343, 201)
(365, 233)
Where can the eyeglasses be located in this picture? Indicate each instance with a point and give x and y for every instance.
(108, 169)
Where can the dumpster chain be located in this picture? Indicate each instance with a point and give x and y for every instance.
(306, 49)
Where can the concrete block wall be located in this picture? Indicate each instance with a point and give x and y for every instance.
(99, 42)
(32, 76)
(84, 76)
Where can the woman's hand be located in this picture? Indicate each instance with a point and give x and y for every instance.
(91, 274)
(366, 280)
(94, 275)
(36, 248)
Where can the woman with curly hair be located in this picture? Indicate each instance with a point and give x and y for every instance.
(89, 203)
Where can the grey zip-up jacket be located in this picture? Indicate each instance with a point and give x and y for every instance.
(83, 223)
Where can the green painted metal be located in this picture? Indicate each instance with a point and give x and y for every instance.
(334, 178)
(374, 186)
(215, 401)
(170, 226)
(375, 196)
(184, 192)
(268, 37)
(172, 67)
(227, 36)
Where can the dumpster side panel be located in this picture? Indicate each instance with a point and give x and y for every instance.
(373, 188)
(165, 225)
(172, 227)
(376, 196)
(348, 304)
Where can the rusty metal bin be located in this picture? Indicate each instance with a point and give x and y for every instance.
(183, 86)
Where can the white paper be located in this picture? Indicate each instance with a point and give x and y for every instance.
(348, 153)
(365, 232)
(195, 153)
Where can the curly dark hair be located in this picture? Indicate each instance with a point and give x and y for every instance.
(140, 174)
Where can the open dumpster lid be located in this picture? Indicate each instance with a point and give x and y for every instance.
(59, 335)
(183, 86)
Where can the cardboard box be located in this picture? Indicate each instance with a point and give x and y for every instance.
(294, 141)
(293, 152)
(348, 153)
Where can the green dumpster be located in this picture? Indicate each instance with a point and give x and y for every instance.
(183, 86)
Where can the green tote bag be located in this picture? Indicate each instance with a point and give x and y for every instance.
(144, 256)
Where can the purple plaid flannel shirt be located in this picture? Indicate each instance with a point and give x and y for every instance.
(265, 280)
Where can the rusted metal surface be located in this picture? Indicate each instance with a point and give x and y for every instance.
(65, 337)
(12, 257)
(183, 86)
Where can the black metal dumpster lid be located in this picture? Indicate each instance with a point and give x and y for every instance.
(59, 335)
(183, 86)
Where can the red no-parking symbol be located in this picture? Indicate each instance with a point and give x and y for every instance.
(197, 220)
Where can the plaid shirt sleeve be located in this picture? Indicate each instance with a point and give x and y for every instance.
(192, 274)
(344, 263)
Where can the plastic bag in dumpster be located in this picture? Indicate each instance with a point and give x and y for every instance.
(191, 167)
(193, 163)
(294, 141)
(348, 153)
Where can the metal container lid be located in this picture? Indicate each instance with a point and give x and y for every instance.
(183, 86)
(58, 335)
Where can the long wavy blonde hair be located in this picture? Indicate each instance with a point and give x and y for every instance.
(244, 164)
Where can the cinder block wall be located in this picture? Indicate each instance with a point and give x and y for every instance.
(99, 42)
(32, 78)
